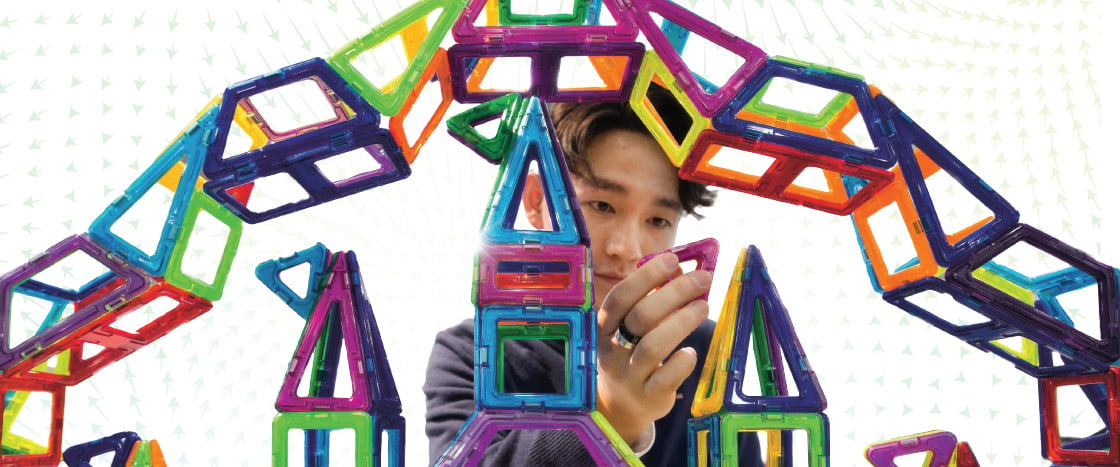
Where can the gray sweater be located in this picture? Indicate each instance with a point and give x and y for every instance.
(536, 366)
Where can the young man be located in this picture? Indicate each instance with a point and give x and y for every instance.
(650, 339)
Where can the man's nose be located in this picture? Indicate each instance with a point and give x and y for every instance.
(624, 241)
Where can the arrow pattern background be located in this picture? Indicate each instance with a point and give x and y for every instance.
(91, 93)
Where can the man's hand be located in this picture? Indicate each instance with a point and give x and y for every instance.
(639, 385)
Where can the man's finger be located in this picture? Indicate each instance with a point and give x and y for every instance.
(654, 308)
(661, 340)
(669, 377)
(629, 291)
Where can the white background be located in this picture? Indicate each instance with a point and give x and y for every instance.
(90, 92)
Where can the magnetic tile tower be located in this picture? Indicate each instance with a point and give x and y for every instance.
(754, 321)
(529, 283)
(534, 284)
(341, 334)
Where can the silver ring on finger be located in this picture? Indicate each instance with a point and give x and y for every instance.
(626, 338)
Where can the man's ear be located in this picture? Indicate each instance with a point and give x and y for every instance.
(533, 202)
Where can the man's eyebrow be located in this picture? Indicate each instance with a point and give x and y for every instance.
(669, 203)
(605, 185)
(615, 187)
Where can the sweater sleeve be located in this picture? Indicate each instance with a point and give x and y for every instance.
(449, 387)
(449, 391)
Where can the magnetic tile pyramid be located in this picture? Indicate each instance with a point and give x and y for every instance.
(754, 319)
(516, 297)
(340, 335)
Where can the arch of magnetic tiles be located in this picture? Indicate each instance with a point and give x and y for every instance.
(533, 284)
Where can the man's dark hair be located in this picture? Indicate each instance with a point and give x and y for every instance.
(578, 124)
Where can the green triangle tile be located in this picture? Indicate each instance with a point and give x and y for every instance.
(173, 22)
(105, 137)
(75, 50)
(960, 377)
(210, 22)
(906, 409)
(964, 413)
(72, 20)
(139, 83)
(105, 49)
(907, 382)
(171, 53)
(934, 409)
(41, 20)
(879, 409)
(70, 141)
(73, 112)
(993, 413)
(34, 144)
(7, 23)
(106, 19)
(105, 108)
(74, 81)
(71, 168)
(140, 49)
(936, 384)
(34, 117)
(67, 224)
(138, 21)
(878, 347)
(906, 350)
(136, 108)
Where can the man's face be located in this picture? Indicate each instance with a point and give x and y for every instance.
(629, 202)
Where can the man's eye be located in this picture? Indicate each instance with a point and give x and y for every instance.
(600, 206)
(660, 222)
